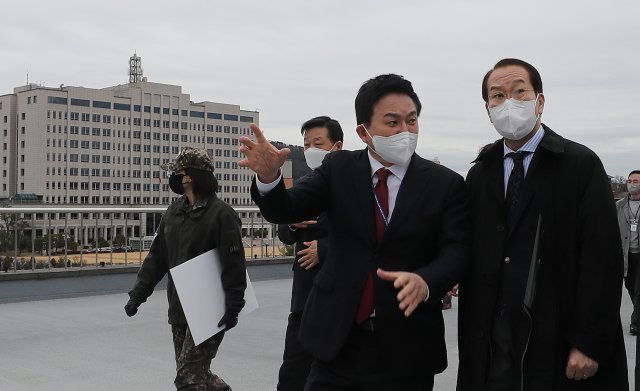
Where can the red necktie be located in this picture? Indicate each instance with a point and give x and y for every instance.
(381, 205)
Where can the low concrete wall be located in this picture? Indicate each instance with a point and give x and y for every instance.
(74, 282)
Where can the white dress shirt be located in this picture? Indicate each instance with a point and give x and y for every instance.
(393, 181)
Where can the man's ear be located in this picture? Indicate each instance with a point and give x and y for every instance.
(338, 145)
(362, 133)
(540, 108)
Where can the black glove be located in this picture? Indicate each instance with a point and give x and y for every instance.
(131, 308)
(229, 321)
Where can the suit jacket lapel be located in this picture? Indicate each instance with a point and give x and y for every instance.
(411, 190)
(363, 191)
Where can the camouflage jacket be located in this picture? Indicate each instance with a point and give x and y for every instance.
(186, 232)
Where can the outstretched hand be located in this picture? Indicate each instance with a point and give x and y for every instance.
(261, 157)
(413, 289)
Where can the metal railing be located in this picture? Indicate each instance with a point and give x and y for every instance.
(15, 222)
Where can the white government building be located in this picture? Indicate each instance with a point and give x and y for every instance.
(103, 147)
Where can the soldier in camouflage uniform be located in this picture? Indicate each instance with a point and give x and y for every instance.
(192, 225)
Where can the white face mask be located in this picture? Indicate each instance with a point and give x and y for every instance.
(514, 119)
(396, 149)
(633, 188)
(314, 156)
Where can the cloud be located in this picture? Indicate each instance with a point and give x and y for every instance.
(295, 60)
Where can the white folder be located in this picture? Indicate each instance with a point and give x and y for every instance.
(199, 286)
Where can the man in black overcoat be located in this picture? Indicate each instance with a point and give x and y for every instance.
(540, 306)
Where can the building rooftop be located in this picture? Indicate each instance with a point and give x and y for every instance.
(89, 343)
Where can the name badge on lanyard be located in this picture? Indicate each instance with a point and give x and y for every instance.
(633, 216)
(385, 219)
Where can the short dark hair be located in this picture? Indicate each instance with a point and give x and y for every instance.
(633, 172)
(377, 88)
(205, 183)
(534, 75)
(334, 130)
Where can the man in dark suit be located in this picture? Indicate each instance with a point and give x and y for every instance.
(540, 306)
(397, 242)
(322, 135)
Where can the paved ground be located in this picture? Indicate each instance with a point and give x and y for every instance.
(88, 343)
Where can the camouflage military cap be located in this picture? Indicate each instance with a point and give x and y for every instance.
(190, 157)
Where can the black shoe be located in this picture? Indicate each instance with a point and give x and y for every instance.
(633, 329)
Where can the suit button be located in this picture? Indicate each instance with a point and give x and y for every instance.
(507, 260)
(500, 227)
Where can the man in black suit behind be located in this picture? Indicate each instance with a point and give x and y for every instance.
(398, 235)
(322, 135)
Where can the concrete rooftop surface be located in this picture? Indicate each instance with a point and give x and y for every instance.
(88, 343)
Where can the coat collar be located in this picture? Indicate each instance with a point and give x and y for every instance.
(551, 142)
(183, 206)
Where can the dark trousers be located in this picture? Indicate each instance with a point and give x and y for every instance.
(296, 361)
(360, 367)
(632, 283)
(193, 363)
(502, 371)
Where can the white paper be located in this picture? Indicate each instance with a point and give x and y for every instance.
(199, 286)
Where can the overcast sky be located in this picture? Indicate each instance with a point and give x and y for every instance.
(293, 60)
